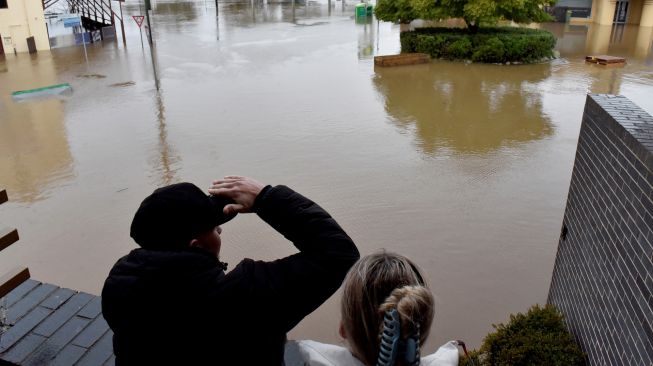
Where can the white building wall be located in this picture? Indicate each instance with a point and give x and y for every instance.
(23, 19)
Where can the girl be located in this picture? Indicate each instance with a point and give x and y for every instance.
(387, 310)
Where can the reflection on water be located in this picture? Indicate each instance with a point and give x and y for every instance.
(34, 151)
(166, 163)
(366, 35)
(181, 11)
(628, 41)
(463, 167)
(466, 108)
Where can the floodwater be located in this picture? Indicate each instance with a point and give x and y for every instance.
(464, 168)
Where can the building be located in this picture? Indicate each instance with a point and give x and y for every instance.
(605, 12)
(628, 11)
(20, 20)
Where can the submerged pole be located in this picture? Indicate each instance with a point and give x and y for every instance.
(148, 7)
(156, 75)
(217, 20)
(122, 23)
(378, 22)
(84, 42)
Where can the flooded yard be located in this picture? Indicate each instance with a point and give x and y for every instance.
(463, 167)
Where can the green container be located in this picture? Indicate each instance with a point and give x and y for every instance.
(361, 10)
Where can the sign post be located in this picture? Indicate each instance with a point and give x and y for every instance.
(74, 20)
(122, 22)
(139, 21)
(148, 7)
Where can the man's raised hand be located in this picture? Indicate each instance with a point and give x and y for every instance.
(242, 190)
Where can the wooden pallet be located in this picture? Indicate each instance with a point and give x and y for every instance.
(402, 59)
(606, 60)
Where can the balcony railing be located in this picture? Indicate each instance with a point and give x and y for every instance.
(14, 277)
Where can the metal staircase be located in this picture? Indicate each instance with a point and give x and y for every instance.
(95, 14)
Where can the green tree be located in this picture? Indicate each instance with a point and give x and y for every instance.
(398, 11)
(475, 13)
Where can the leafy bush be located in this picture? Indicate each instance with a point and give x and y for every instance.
(537, 338)
(497, 45)
(459, 49)
(433, 45)
(490, 51)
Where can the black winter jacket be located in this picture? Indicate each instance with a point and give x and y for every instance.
(180, 308)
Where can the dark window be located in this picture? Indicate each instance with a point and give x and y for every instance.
(3, 4)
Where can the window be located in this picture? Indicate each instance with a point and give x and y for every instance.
(3, 4)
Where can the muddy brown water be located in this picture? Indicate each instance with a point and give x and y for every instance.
(464, 168)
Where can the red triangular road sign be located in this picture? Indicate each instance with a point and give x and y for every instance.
(138, 19)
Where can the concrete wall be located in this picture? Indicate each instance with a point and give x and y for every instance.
(603, 275)
(22, 19)
(646, 19)
(639, 12)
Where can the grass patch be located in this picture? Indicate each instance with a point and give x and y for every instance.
(490, 45)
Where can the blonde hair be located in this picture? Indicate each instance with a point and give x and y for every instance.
(375, 284)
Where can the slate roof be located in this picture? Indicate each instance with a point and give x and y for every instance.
(51, 325)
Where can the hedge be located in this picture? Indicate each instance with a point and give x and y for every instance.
(490, 45)
(537, 338)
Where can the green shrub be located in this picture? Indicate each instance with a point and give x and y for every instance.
(433, 45)
(515, 48)
(408, 42)
(537, 338)
(496, 44)
(491, 50)
(459, 49)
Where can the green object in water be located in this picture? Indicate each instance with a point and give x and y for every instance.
(364, 10)
(44, 91)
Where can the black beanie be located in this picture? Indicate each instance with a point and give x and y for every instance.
(173, 215)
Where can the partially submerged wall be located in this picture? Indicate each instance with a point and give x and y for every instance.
(20, 20)
(603, 275)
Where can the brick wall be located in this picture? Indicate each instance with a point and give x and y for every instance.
(603, 274)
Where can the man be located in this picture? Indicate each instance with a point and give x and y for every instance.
(171, 302)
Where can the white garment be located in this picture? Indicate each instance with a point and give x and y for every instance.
(311, 353)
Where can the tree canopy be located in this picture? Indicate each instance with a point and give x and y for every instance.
(474, 12)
